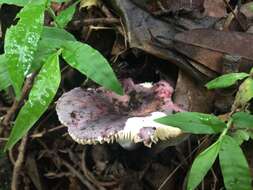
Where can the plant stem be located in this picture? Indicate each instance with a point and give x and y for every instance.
(51, 12)
(224, 132)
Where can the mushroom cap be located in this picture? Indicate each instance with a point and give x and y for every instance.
(97, 115)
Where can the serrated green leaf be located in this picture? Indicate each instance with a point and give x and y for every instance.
(65, 16)
(4, 75)
(202, 164)
(193, 122)
(15, 2)
(245, 93)
(242, 120)
(234, 166)
(52, 38)
(41, 95)
(91, 63)
(226, 80)
(21, 42)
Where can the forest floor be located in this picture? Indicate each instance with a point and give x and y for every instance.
(146, 41)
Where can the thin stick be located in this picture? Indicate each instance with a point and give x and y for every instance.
(95, 21)
(106, 11)
(100, 185)
(17, 103)
(236, 17)
(78, 175)
(4, 109)
(174, 171)
(18, 164)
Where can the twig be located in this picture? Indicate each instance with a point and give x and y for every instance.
(18, 164)
(180, 165)
(215, 179)
(39, 135)
(4, 109)
(78, 175)
(100, 185)
(168, 178)
(11, 157)
(108, 14)
(95, 21)
(106, 11)
(17, 103)
(3, 139)
(236, 17)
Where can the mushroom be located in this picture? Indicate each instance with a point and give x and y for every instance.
(100, 116)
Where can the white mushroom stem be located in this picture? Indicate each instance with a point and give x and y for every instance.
(130, 134)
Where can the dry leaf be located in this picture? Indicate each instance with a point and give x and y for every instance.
(87, 4)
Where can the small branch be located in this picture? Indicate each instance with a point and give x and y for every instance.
(106, 11)
(236, 17)
(4, 109)
(18, 164)
(100, 185)
(180, 165)
(96, 21)
(78, 175)
(41, 134)
(17, 103)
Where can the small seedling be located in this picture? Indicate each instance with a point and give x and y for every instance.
(232, 133)
(31, 48)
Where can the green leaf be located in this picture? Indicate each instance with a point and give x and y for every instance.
(4, 76)
(59, 1)
(54, 33)
(251, 134)
(234, 166)
(65, 16)
(193, 122)
(41, 95)
(15, 2)
(52, 38)
(202, 164)
(240, 136)
(242, 120)
(226, 80)
(22, 3)
(91, 63)
(21, 42)
(245, 93)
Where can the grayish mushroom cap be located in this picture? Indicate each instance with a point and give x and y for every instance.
(98, 116)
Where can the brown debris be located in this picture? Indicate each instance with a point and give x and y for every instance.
(191, 96)
(219, 43)
(215, 8)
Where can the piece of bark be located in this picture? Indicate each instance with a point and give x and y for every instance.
(155, 36)
(191, 96)
(207, 47)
